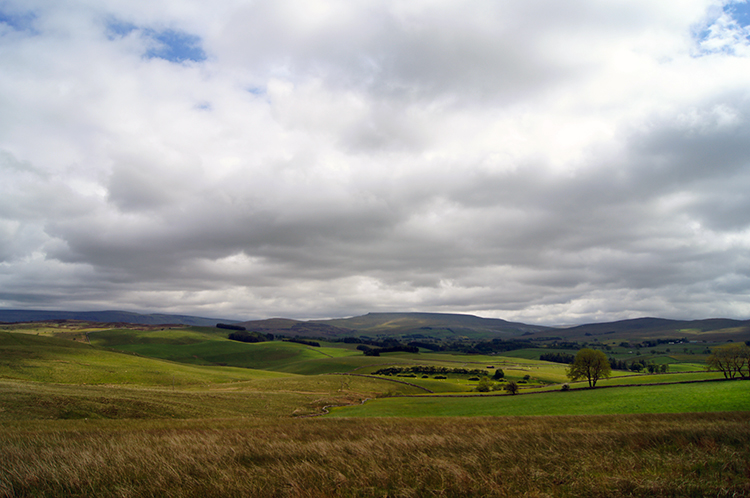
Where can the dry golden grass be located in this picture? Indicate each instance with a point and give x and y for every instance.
(633, 455)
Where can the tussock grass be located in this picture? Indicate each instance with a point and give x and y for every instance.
(639, 455)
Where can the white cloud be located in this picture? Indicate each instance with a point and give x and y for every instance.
(533, 161)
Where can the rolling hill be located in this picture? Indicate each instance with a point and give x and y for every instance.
(110, 316)
(713, 329)
(415, 326)
(399, 325)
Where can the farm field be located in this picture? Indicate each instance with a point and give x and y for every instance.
(673, 398)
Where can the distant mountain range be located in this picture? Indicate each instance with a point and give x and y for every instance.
(405, 325)
(112, 316)
(421, 325)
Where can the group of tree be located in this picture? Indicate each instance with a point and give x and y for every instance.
(228, 326)
(306, 342)
(368, 351)
(432, 370)
(432, 346)
(643, 365)
(733, 360)
(245, 336)
(496, 346)
(565, 358)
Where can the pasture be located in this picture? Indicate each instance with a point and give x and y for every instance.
(673, 398)
(186, 412)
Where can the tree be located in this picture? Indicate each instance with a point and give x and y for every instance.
(511, 387)
(730, 360)
(499, 374)
(591, 365)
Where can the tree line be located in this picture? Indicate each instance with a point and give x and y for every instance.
(434, 370)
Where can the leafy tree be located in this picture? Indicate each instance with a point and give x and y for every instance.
(511, 387)
(499, 374)
(591, 365)
(732, 360)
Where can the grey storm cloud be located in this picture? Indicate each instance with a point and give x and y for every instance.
(538, 161)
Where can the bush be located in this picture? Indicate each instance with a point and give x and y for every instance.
(511, 387)
(484, 385)
(565, 387)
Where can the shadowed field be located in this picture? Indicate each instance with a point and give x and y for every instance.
(605, 456)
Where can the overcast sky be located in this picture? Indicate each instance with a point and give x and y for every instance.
(539, 161)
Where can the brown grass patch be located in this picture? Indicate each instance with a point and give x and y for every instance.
(643, 455)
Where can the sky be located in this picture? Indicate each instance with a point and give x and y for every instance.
(540, 161)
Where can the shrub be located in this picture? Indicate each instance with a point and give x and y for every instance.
(565, 387)
(484, 385)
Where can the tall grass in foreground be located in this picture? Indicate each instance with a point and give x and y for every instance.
(633, 455)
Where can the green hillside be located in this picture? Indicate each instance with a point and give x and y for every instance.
(47, 359)
(201, 346)
(639, 329)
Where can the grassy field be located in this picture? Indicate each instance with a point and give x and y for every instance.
(264, 398)
(673, 398)
(153, 412)
(48, 359)
(602, 456)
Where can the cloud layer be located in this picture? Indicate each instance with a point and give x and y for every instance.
(538, 161)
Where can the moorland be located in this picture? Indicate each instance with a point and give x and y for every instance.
(379, 405)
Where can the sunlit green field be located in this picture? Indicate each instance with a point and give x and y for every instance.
(674, 398)
(48, 359)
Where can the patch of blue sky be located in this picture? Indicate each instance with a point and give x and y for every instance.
(175, 46)
(740, 12)
(726, 30)
(168, 44)
(257, 90)
(18, 22)
(118, 29)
